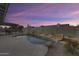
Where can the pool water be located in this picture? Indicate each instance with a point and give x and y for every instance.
(35, 40)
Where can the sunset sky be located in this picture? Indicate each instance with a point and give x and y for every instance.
(37, 14)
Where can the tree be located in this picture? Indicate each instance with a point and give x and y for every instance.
(20, 28)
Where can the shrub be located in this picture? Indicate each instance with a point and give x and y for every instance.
(72, 47)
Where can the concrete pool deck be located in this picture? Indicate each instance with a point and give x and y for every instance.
(19, 46)
(15, 46)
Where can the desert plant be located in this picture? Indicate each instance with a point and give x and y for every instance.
(72, 47)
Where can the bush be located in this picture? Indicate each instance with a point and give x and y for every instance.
(72, 47)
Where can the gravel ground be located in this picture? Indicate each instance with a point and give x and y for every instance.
(57, 50)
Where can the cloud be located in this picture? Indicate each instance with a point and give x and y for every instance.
(75, 13)
(43, 14)
(45, 18)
